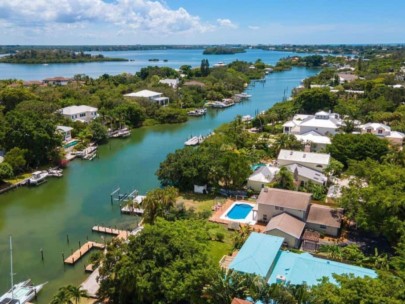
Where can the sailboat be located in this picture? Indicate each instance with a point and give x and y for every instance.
(20, 293)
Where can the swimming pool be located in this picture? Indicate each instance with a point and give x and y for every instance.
(239, 211)
(71, 144)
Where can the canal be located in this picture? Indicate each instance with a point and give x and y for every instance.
(45, 216)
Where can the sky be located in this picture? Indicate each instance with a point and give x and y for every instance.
(76, 22)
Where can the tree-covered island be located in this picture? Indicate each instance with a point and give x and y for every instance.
(221, 50)
(54, 56)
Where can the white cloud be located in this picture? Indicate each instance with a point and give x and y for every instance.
(254, 27)
(137, 15)
(227, 23)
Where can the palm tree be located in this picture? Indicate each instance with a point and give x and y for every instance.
(62, 297)
(76, 292)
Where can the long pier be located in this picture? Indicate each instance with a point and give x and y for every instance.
(121, 234)
(79, 253)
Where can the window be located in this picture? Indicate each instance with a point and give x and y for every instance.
(279, 208)
(264, 217)
(82, 114)
(322, 226)
(380, 131)
(369, 130)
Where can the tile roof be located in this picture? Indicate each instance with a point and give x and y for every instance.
(324, 215)
(240, 301)
(144, 94)
(284, 198)
(72, 110)
(287, 224)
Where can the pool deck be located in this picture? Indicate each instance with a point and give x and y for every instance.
(216, 215)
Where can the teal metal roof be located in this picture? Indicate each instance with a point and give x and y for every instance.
(300, 268)
(257, 254)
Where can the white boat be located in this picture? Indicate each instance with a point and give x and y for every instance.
(243, 96)
(221, 105)
(197, 112)
(219, 64)
(55, 172)
(247, 118)
(193, 141)
(37, 178)
(20, 293)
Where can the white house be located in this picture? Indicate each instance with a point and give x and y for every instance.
(58, 80)
(383, 131)
(347, 77)
(316, 141)
(151, 95)
(79, 113)
(262, 176)
(170, 82)
(315, 161)
(322, 122)
(303, 174)
(66, 132)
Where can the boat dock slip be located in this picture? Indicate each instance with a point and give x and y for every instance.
(121, 234)
(78, 254)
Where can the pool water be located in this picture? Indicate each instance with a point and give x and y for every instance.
(71, 144)
(239, 211)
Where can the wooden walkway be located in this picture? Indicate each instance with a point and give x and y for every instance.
(79, 253)
(121, 234)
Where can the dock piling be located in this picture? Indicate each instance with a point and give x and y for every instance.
(42, 254)
(67, 238)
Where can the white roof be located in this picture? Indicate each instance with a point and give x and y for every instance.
(396, 134)
(307, 173)
(289, 123)
(304, 157)
(144, 94)
(172, 82)
(320, 123)
(375, 126)
(322, 113)
(64, 128)
(264, 174)
(72, 110)
(1, 159)
(314, 137)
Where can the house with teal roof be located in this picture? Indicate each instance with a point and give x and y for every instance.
(262, 255)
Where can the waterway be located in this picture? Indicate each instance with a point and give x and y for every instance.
(139, 59)
(43, 217)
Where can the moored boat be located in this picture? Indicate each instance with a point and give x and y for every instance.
(38, 177)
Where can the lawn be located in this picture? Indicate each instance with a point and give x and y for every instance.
(217, 249)
(18, 178)
(199, 202)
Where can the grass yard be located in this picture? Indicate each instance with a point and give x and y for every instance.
(18, 178)
(199, 202)
(217, 249)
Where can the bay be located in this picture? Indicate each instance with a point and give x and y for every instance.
(43, 217)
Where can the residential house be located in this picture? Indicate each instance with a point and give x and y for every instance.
(261, 177)
(66, 132)
(261, 254)
(287, 227)
(1, 156)
(315, 161)
(79, 113)
(323, 123)
(272, 202)
(347, 77)
(174, 83)
(57, 80)
(240, 301)
(303, 175)
(383, 131)
(315, 141)
(151, 95)
(324, 219)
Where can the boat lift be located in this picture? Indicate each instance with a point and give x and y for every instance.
(117, 196)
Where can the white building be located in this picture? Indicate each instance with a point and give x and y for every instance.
(304, 175)
(261, 177)
(316, 141)
(170, 82)
(66, 132)
(151, 95)
(322, 122)
(79, 113)
(315, 161)
(383, 131)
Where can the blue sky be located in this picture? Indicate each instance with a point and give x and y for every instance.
(201, 21)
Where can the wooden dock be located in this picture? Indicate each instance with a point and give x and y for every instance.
(121, 234)
(79, 253)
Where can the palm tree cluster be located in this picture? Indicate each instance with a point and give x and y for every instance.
(228, 285)
(68, 295)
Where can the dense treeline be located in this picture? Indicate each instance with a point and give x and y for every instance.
(54, 56)
(220, 50)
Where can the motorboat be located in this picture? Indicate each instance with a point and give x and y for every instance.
(38, 177)
(197, 112)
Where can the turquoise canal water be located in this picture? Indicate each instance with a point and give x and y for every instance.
(43, 217)
(139, 59)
